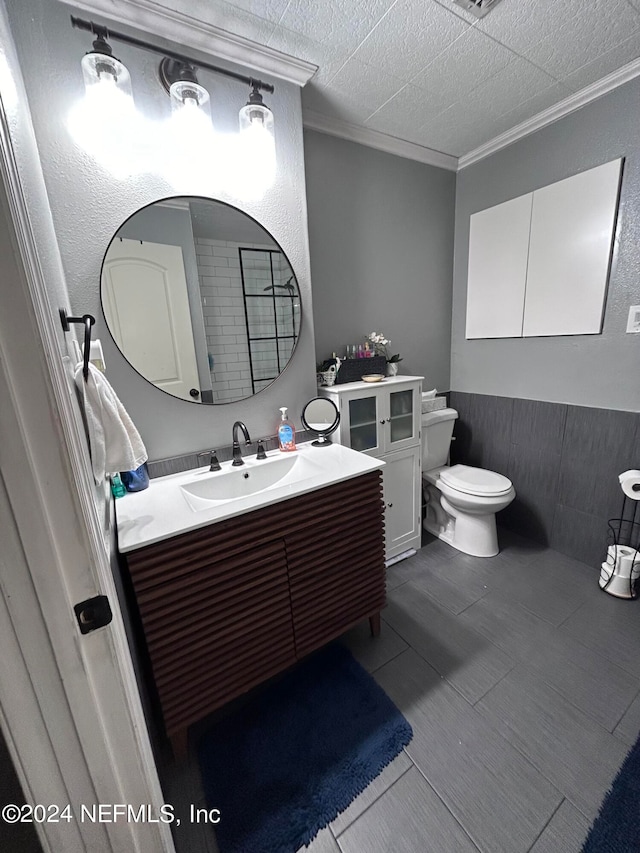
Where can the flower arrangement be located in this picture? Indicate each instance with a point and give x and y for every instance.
(380, 344)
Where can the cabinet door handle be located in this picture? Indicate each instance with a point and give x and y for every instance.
(390, 504)
(383, 421)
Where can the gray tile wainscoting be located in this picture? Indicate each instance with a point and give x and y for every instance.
(563, 460)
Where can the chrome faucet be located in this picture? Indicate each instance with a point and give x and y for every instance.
(237, 455)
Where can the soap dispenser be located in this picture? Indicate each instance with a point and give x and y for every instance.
(286, 432)
(118, 489)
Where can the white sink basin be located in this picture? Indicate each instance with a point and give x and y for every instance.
(255, 476)
(191, 499)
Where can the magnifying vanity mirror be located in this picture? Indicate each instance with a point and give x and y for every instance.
(200, 300)
(320, 416)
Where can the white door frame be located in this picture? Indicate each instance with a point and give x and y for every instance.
(69, 704)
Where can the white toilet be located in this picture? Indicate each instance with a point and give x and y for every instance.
(462, 502)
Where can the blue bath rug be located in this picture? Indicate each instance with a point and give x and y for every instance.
(285, 765)
(617, 827)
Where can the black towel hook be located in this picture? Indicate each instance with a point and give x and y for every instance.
(88, 320)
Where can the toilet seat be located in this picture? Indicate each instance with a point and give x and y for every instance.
(475, 481)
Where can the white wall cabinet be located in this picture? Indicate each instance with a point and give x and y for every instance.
(498, 253)
(538, 264)
(383, 420)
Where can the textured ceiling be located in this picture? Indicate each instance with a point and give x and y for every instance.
(428, 72)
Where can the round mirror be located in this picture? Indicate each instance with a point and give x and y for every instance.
(321, 416)
(200, 300)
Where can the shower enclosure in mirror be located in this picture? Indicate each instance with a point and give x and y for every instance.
(200, 299)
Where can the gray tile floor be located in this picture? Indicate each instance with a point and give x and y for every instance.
(521, 680)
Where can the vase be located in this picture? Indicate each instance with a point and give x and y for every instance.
(392, 368)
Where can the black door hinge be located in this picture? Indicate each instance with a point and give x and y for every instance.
(93, 613)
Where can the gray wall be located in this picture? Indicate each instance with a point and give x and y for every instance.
(381, 242)
(588, 370)
(563, 460)
(89, 205)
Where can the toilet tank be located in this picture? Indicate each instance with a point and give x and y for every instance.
(437, 429)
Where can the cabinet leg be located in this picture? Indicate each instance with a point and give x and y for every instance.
(179, 744)
(374, 624)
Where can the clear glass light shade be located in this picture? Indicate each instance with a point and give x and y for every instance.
(105, 122)
(258, 147)
(101, 70)
(190, 99)
(189, 159)
(254, 116)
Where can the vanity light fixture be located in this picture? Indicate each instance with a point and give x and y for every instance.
(191, 154)
(256, 115)
(105, 77)
(257, 144)
(189, 99)
(106, 114)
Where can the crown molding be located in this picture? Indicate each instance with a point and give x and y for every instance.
(175, 26)
(557, 111)
(374, 139)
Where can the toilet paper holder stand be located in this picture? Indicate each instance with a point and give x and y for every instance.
(621, 571)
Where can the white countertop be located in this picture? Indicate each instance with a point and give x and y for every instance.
(162, 511)
(357, 386)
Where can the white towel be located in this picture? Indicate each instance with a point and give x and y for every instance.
(114, 441)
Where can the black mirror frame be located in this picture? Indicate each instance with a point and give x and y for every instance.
(123, 354)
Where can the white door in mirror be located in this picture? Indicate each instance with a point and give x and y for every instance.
(151, 321)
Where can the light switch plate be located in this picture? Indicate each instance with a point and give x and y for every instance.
(633, 323)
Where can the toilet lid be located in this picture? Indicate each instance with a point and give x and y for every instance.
(475, 481)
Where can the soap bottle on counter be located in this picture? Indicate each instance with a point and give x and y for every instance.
(117, 486)
(286, 432)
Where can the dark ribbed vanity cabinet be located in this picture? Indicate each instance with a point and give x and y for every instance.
(227, 606)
